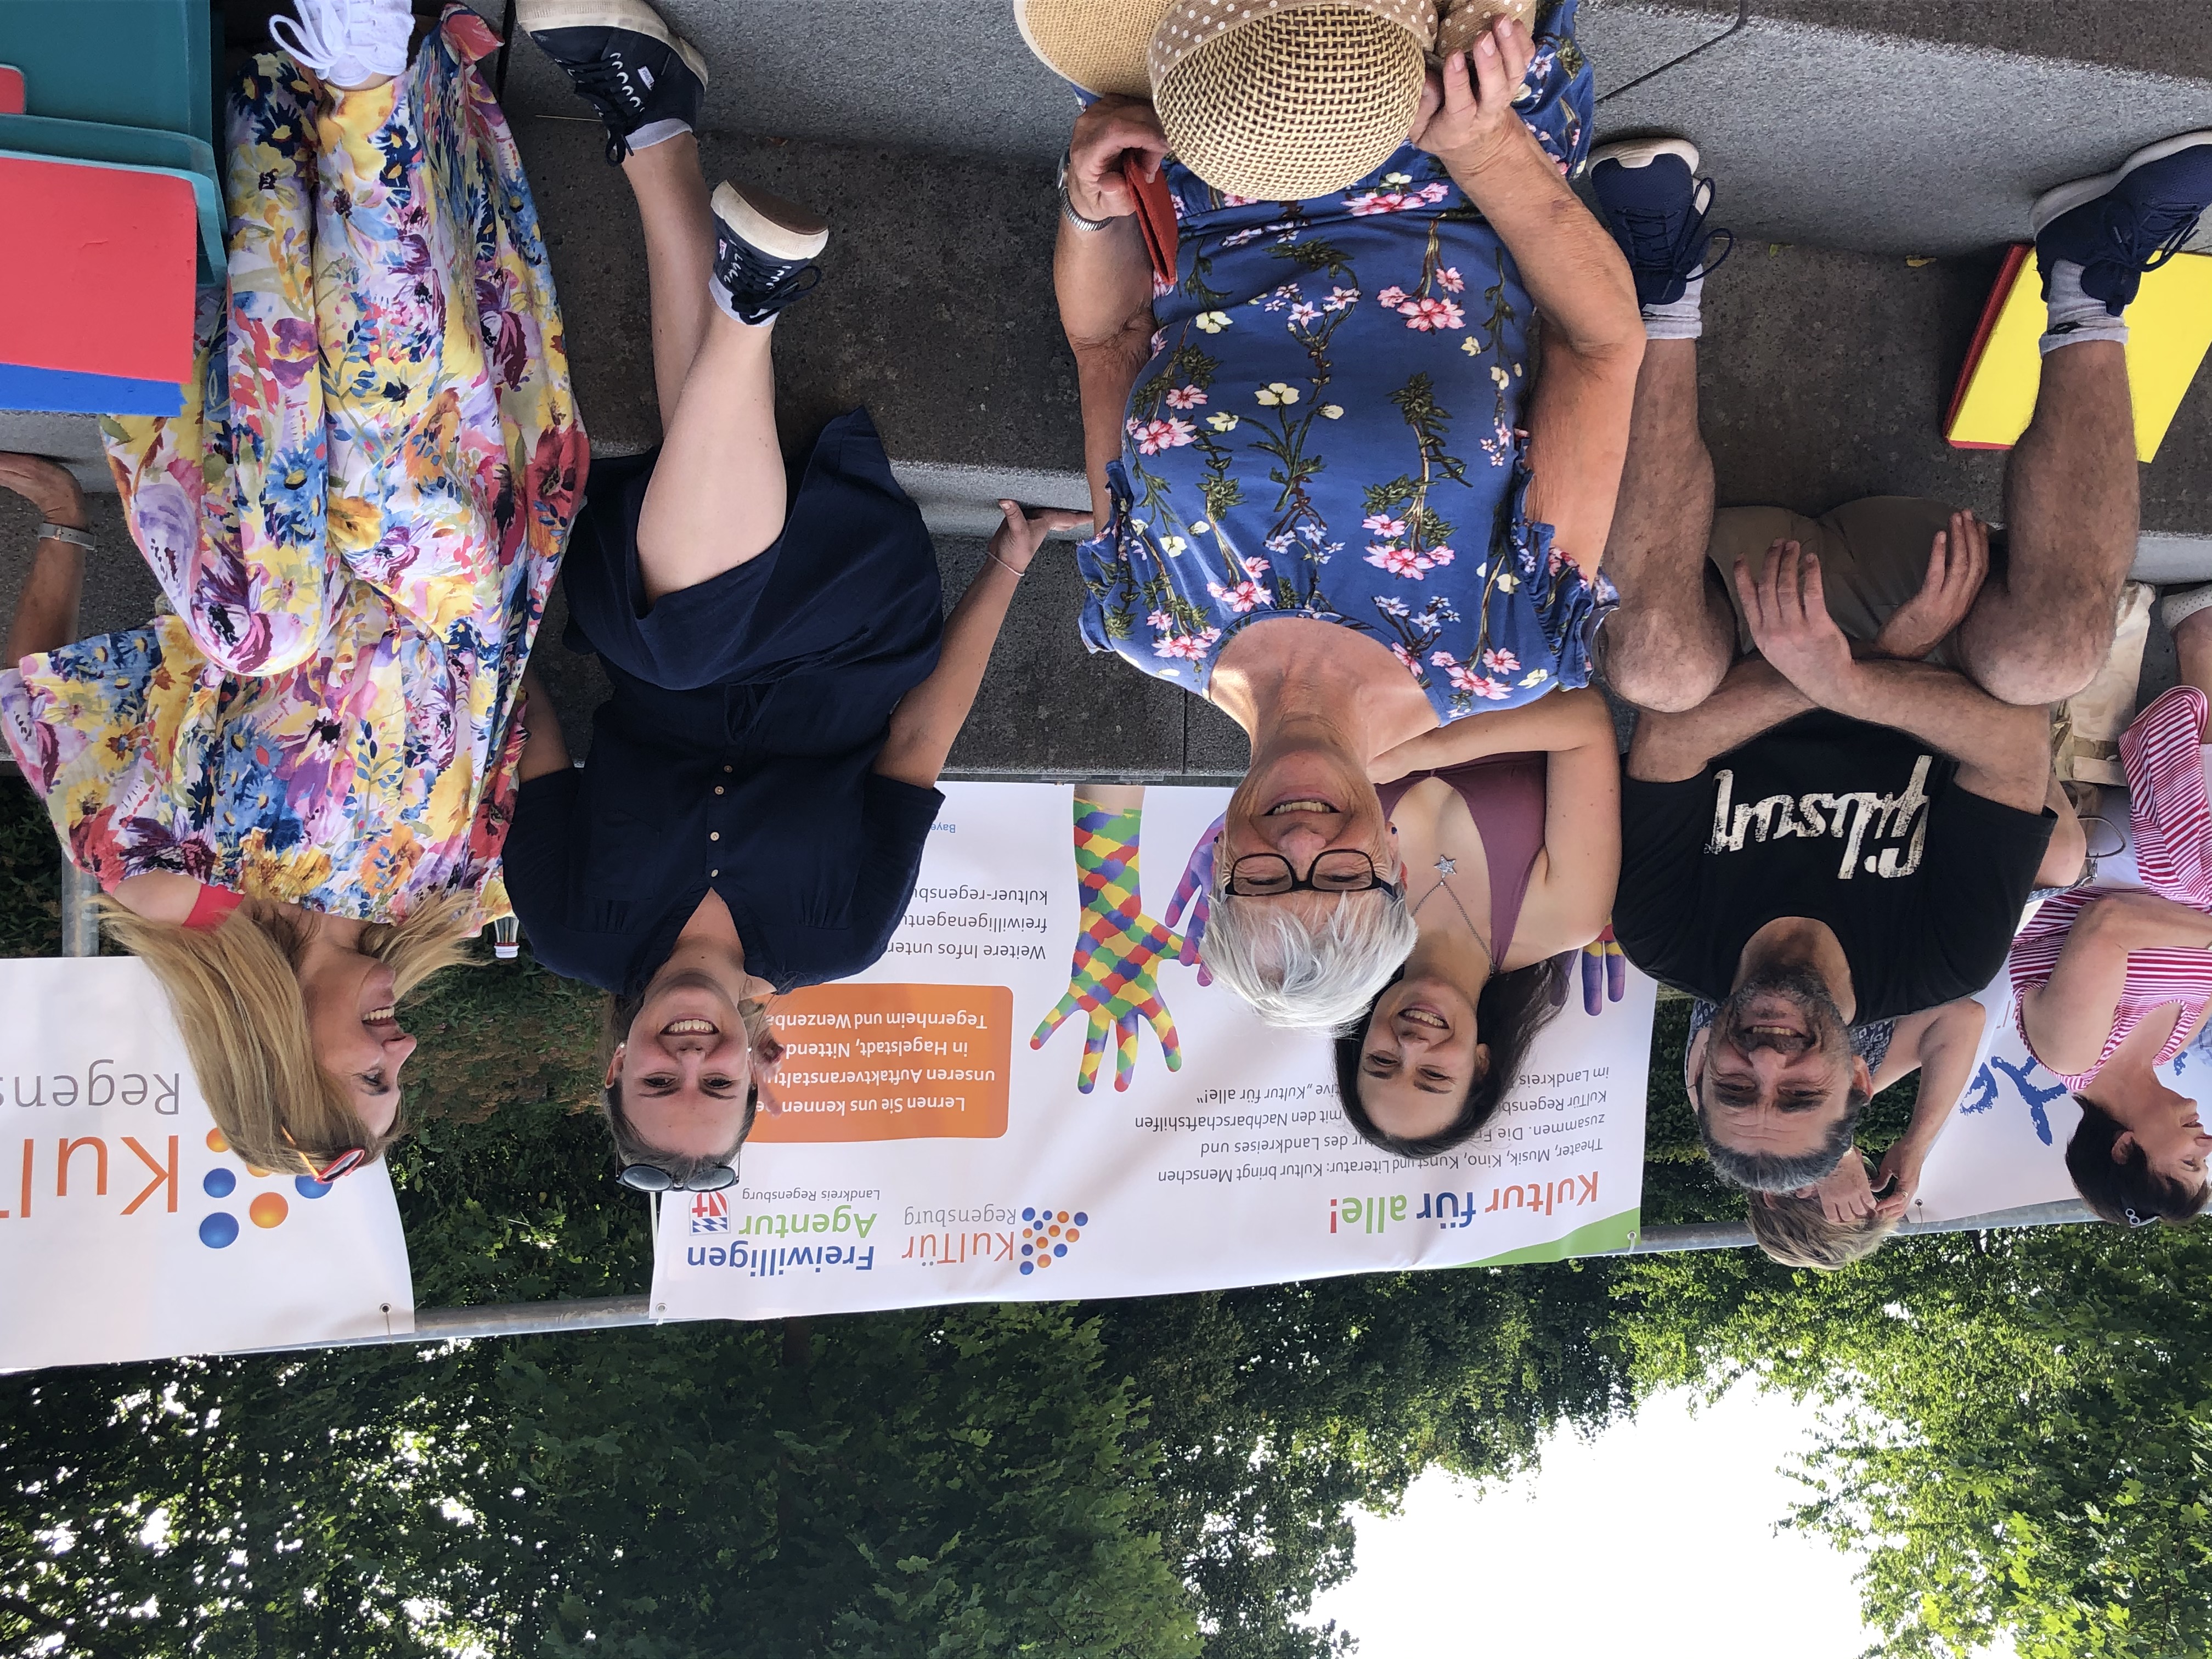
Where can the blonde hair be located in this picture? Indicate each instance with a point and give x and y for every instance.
(235, 992)
(1797, 1233)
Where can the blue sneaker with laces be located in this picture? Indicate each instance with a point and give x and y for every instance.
(764, 248)
(624, 61)
(2121, 224)
(1653, 202)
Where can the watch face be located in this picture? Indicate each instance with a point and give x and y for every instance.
(1060, 179)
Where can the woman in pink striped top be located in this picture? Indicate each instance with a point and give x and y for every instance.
(2113, 984)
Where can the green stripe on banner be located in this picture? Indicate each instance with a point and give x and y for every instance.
(1609, 1237)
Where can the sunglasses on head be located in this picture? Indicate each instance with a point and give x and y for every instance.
(652, 1178)
(344, 1163)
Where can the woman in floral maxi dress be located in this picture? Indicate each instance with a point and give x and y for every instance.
(294, 788)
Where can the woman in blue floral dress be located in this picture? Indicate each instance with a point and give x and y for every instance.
(1333, 423)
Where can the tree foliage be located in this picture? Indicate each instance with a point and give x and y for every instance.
(2019, 1426)
(2016, 1436)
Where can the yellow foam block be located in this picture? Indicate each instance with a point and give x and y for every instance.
(2169, 330)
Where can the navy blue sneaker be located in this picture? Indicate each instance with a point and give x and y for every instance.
(1653, 202)
(763, 250)
(634, 70)
(2123, 223)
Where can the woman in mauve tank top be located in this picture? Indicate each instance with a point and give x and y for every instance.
(1508, 825)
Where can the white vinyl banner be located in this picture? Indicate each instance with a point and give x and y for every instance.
(127, 1229)
(971, 1120)
(2005, 1145)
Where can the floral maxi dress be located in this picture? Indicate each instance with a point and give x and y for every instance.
(1328, 427)
(357, 519)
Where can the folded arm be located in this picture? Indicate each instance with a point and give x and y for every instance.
(1675, 747)
(2003, 750)
(1103, 278)
(2069, 1016)
(1557, 720)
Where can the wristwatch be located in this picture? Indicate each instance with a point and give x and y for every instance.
(1067, 208)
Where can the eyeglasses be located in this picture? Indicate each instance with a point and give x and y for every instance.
(652, 1178)
(2135, 1220)
(1339, 870)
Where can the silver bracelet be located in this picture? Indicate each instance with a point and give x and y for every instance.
(62, 532)
(1067, 206)
(1001, 563)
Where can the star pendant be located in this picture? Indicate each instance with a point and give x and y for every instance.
(1446, 866)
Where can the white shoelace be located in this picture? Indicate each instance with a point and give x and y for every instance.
(347, 40)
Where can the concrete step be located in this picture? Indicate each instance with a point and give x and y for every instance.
(1910, 126)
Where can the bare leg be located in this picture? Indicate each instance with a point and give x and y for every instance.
(45, 610)
(679, 253)
(2192, 641)
(2040, 632)
(1673, 637)
(718, 494)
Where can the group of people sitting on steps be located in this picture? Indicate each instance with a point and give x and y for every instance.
(1343, 484)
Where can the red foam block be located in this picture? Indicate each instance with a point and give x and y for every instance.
(11, 90)
(99, 279)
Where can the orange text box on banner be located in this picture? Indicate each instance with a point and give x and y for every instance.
(892, 1062)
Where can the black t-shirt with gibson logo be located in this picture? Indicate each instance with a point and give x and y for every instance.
(1860, 827)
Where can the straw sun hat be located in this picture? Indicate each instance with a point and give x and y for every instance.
(1277, 100)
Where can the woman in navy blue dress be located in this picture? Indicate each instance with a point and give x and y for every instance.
(1336, 495)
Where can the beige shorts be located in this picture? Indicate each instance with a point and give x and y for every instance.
(1874, 557)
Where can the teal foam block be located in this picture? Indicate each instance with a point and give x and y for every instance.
(128, 63)
(56, 391)
(132, 146)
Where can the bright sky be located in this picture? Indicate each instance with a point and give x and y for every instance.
(1658, 1539)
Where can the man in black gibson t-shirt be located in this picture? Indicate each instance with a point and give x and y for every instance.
(1847, 824)
(1824, 841)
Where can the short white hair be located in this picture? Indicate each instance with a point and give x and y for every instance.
(1303, 975)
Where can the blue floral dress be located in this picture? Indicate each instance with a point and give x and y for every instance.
(1328, 428)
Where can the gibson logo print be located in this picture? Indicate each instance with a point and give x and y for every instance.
(1855, 819)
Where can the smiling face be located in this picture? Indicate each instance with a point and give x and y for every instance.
(686, 1067)
(1299, 802)
(1419, 1056)
(1777, 1070)
(357, 1039)
(2174, 1141)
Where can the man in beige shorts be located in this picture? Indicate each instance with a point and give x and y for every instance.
(1839, 793)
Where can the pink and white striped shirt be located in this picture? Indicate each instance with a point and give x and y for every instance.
(2170, 818)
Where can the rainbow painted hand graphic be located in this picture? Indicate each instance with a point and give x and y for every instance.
(1111, 977)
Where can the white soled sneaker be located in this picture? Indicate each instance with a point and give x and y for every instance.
(347, 42)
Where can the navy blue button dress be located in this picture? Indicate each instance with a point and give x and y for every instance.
(738, 748)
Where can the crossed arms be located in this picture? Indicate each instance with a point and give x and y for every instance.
(1805, 662)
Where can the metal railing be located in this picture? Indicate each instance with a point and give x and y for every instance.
(619, 1312)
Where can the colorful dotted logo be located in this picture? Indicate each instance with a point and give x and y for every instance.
(219, 1229)
(1048, 1234)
